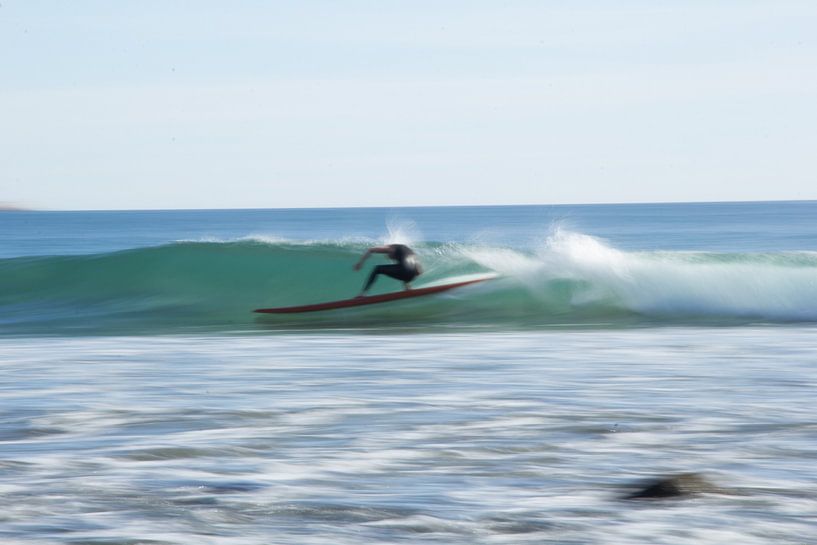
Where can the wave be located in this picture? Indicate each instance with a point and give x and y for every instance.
(572, 279)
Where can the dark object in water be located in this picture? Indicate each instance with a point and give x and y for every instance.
(675, 486)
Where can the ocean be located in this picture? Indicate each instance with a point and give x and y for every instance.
(143, 402)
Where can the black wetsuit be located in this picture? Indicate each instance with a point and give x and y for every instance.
(406, 269)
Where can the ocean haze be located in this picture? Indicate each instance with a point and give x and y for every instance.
(270, 105)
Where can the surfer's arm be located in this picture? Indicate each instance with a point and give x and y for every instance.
(370, 251)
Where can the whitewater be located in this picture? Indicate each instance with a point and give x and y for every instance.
(142, 401)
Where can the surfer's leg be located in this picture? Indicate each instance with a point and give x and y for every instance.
(393, 271)
(380, 269)
(407, 275)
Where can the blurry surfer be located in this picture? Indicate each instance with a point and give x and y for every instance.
(406, 267)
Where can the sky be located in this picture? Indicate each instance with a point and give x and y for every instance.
(264, 104)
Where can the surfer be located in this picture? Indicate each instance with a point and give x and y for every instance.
(406, 267)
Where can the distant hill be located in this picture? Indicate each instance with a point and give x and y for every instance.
(8, 207)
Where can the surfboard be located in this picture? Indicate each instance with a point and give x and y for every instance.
(373, 299)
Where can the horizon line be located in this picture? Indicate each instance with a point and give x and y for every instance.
(376, 207)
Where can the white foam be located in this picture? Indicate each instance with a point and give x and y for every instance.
(274, 240)
(780, 286)
(681, 283)
(402, 231)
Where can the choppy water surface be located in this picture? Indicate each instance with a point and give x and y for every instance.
(515, 437)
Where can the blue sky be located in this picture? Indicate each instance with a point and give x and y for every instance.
(122, 105)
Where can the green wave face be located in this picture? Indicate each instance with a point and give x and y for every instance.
(573, 280)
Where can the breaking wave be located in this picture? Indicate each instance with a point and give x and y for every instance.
(572, 279)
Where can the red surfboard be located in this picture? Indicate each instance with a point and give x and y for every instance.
(371, 299)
